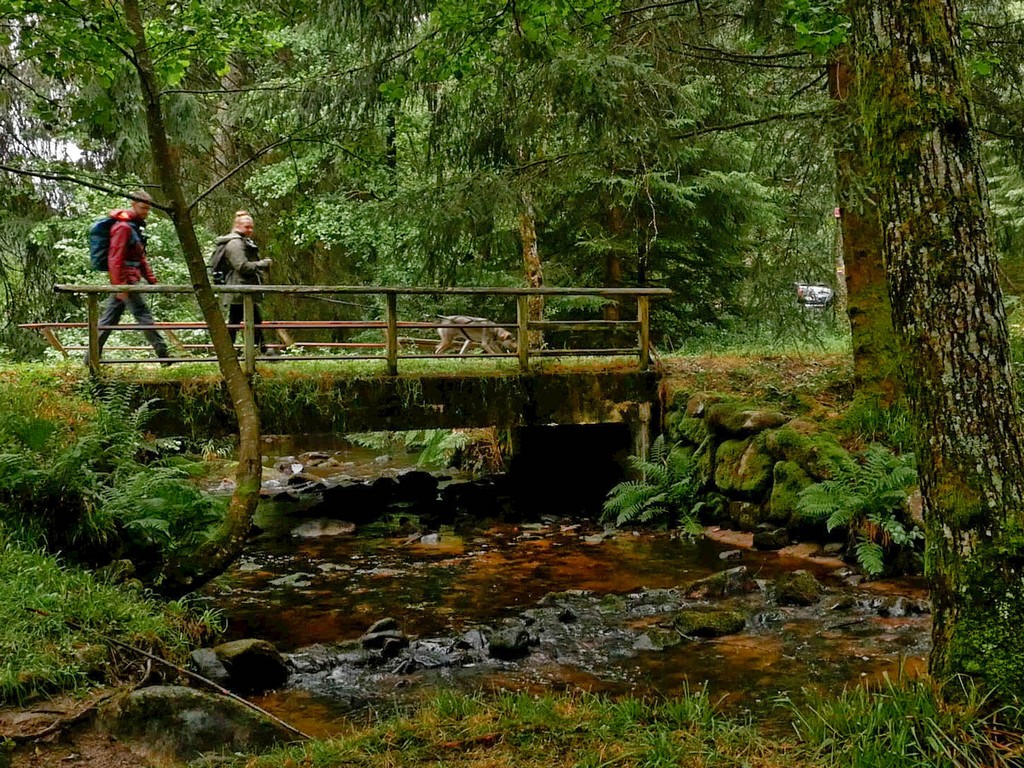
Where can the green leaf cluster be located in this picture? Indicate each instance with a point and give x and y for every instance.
(667, 493)
(869, 500)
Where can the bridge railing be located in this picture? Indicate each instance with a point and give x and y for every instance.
(389, 349)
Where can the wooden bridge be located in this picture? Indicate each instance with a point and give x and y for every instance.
(515, 396)
(391, 348)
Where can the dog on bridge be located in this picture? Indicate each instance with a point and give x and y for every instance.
(467, 330)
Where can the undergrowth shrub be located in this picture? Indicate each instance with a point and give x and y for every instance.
(668, 491)
(92, 488)
(869, 499)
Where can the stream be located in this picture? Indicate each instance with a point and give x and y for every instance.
(590, 609)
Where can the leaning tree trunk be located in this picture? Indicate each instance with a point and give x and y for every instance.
(948, 309)
(876, 366)
(214, 557)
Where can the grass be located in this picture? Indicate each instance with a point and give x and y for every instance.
(902, 725)
(41, 653)
(528, 731)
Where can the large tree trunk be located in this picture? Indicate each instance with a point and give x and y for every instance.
(876, 366)
(947, 308)
(213, 558)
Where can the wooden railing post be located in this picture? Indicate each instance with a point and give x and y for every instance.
(249, 334)
(392, 332)
(523, 339)
(93, 304)
(643, 315)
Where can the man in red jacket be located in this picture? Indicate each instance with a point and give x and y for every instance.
(126, 261)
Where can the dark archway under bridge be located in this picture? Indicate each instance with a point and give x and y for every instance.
(317, 403)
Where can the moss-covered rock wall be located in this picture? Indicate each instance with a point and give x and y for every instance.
(756, 460)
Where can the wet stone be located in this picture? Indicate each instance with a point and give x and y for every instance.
(797, 588)
(731, 554)
(709, 623)
(733, 581)
(771, 539)
(509, 643)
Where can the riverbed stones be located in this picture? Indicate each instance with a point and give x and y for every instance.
(253, 665)
(204, 662)
(709, 622)
(509, 643)
(183, 723)
(771, 538)
(734, 581)
(797, 588)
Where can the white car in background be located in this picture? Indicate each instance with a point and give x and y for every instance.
(816, 295)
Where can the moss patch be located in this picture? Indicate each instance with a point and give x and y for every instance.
(743, 469)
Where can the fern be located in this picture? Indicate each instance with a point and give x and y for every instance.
(668, 490)
(868, 500)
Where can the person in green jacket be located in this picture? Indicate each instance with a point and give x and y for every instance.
(242, 265)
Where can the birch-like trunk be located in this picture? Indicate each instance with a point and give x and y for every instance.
(947, 308)
(213, 558)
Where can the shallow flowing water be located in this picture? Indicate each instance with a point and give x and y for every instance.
(298, 592)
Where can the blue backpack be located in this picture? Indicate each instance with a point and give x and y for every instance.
(99, 240)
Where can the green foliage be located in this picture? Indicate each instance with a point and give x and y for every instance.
(40, 653)
(819, 26)
(91, 488)
(434, 447)
(869, 500)
(906, 724)
(668, 492)
(867, 421)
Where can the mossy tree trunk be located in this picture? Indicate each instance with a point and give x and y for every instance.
(948, 310)
(184, 576)
(875, 349)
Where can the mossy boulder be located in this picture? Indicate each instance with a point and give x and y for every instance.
(741, 419)
(673, 429)
(658, 639)
(182, 724)
(818, 453)
(788, 479)
(698, 405)
(709, 622)
(743, 469)
(797, 588)
(734, 581)
(692, 431)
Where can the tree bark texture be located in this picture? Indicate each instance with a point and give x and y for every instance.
(948, 310)
(531, 265)
(876, 356)
(225, 547)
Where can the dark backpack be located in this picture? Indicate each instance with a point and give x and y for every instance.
(99, 240)
(218, 265)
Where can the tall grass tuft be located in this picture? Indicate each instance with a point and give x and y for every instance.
(908, 725)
